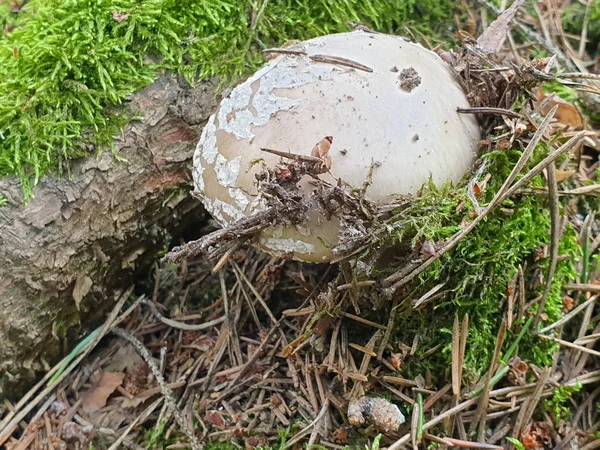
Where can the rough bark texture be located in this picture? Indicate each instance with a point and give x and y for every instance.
(67, 255)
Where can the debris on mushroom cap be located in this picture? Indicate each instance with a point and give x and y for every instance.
(335, 97)
(378, 412)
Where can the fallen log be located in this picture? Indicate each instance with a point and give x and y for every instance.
(68, 254)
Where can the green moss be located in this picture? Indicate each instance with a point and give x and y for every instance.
(557, 404)
(477, 273)
(5, 14)
(63, 71)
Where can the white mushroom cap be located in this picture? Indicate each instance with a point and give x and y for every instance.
(409, 129)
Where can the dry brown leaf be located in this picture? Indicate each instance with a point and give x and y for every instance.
(536, 436)
(562, 175)
(96, 397)
(566, 114)
(215, 419)
(494, 36)
(83, 284)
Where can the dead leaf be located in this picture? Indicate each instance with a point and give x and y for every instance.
(536, 436)
(97, 396)
(494, 36)
(215, 419)
(120, 16)
(83, 284)
(566, 114)
(562, 175)
(517, 375)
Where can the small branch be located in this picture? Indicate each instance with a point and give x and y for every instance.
(340, 61)
(583, 288)
(285, 51)
(179, 325)
(166, 392)
(483, 110)
(579, 75)
(570, 315)
(244, 228)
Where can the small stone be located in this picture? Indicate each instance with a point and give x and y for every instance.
(378, 412)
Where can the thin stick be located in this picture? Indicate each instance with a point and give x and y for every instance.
(569, 316)
(485, 395)
(305, 431)
(340, 61)
(527, 413)
(179, 325)
(285, 51)
(433, 422)
(361, 320)
(166, 392)
(488, 110)
(554, 239)
(256, 294)
(388, 331)
(595, 288)
(571, 345)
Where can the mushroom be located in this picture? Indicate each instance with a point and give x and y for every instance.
(380, 100)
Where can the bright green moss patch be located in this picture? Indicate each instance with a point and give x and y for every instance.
(72, 60)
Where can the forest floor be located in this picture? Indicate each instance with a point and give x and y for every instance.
(255, 351)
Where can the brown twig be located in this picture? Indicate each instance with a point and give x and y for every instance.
(340, 61)
(489, 110)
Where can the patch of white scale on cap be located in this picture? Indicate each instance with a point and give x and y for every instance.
(235, 117)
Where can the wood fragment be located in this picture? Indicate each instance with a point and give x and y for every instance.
(489, 110)
(361, 320)
(285, 51)
(583, 287)
(340, 61)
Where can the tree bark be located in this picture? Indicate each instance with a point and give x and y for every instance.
(67, 254)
